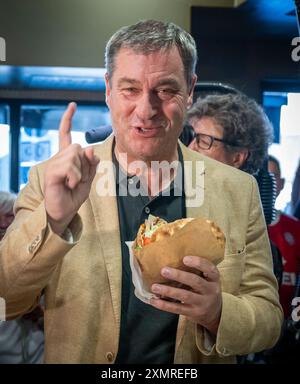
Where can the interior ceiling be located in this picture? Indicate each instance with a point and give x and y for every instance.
(261, 19)
(56, 35)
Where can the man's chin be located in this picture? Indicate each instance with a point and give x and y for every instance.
(146, 150)
(151, 154)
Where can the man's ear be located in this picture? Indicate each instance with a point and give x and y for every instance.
(240, 157)
(107, 89)
(191, 92)
(281, 184)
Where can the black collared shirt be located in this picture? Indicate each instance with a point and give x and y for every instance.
(147, 334)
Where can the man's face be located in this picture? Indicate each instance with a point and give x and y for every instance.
(148, 98)
(272, 168)
(208, 126)
(5, 220)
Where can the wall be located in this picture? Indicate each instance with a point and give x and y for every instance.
(74, 32)
(234, 48)
(245, 64)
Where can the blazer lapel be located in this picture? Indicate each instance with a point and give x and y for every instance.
(105, 210)
(196, 204)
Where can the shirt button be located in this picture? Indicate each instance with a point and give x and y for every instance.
(130, 181)
(147, 210)
(109, 356)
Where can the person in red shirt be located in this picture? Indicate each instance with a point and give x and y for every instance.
(285, 233)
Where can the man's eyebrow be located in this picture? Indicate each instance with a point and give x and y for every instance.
(171, 82)
(162, 82)
(127, 80)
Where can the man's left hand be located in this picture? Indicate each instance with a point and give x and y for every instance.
(201, 304)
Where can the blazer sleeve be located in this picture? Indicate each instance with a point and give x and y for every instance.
(30, 251)
(250, 321)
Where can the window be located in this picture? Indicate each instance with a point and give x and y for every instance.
(287, 147)
(34, 98)
(4, 149)
(39, 132)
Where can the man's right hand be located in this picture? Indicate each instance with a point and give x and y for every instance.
(68, 176)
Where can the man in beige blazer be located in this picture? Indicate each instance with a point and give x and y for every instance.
(67, 236)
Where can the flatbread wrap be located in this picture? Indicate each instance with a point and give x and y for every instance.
(160, 244)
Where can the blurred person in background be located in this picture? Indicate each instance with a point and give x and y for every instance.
(295, 202)
(233, 129)
(21, 340)
(297, 211)
(6, 211)
(285, 233)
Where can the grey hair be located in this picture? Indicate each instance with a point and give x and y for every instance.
(244, 122)
(7, 201)
(147, 36)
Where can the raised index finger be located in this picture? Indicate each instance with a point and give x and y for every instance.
(65, 127)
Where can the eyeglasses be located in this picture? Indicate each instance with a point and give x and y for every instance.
(206, 141)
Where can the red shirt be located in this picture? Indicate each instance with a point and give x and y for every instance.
(285, 234)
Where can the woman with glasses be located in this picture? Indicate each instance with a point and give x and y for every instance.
(235, 130)
(231, 128)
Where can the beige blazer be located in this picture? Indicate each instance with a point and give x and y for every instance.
(82, 281)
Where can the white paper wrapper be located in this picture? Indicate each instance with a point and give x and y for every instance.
(140, 291)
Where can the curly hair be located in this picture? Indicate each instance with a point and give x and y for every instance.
(244, 123)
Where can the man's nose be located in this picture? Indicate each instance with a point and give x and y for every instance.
(147, 106)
